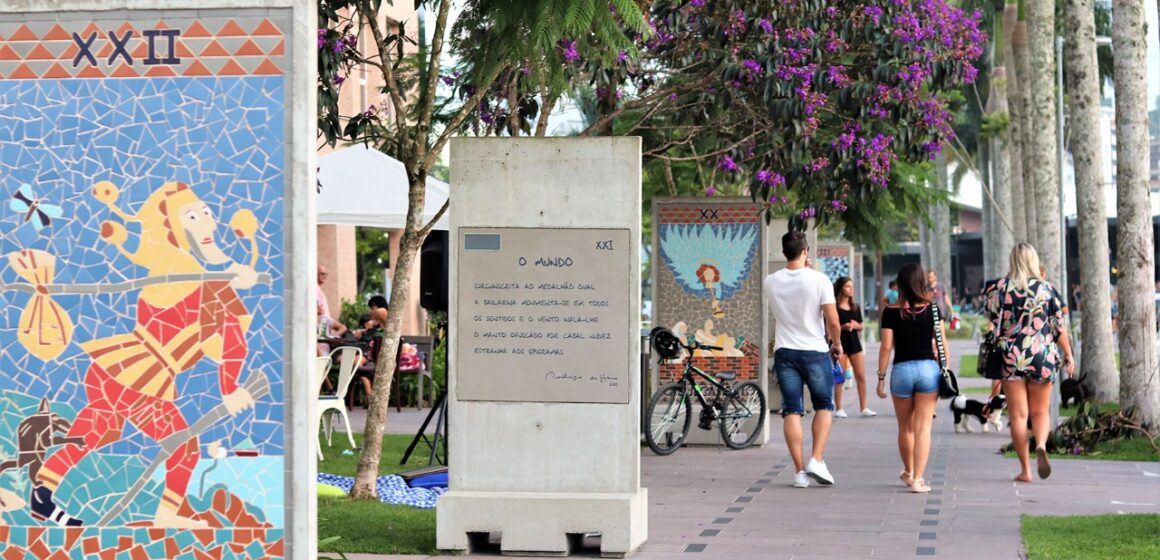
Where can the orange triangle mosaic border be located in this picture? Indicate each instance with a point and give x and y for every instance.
(120, 50)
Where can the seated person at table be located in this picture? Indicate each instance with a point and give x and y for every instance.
(370, 332)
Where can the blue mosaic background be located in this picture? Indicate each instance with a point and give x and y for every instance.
(225, 137)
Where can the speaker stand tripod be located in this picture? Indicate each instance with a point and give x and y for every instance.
(438, 439)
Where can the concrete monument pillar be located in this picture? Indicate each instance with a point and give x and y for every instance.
(544, 373)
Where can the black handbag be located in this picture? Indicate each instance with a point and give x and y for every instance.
(990, 363)
(948, 384)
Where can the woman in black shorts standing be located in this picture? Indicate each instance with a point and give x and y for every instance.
(850, 320)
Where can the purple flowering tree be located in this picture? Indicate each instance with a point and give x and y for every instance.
(805, 105)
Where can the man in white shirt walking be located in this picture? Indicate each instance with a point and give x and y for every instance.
(802, 301)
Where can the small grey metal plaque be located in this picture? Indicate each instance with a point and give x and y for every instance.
(543, 315)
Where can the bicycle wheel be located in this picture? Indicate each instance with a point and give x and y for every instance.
(742, 415)
(669, 417)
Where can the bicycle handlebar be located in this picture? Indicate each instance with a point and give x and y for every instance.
(698, 346)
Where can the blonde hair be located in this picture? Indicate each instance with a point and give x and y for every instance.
(1024, 263)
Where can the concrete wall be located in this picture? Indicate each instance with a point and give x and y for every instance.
(538, 472)
(134, 133)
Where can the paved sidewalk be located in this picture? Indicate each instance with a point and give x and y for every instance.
(709, 502)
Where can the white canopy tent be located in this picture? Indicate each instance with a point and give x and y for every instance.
(365, 187)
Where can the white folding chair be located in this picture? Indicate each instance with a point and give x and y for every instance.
(349, 359)
(321, 370)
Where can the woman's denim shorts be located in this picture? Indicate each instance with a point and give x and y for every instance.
(918, 376)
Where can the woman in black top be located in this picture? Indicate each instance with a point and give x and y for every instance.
(850, 319)
(908, 330)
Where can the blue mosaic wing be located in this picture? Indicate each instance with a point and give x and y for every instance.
(682, 250)
(736, 251)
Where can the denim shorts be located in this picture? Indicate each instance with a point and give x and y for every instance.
(797, 369)
(917, 376)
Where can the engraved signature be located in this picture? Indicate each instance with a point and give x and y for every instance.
(554, 376)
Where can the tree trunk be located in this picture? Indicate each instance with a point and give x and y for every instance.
(1083, 91)
(368, 464)
(1045, 151)
(1003, 239)
(988, 215)
(1014, 136)
(1028, 128)
(1139, 385)
(939, 239)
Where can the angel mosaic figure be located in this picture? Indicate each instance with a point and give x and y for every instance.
(709, 260)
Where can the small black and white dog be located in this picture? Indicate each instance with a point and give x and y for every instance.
(965, 408)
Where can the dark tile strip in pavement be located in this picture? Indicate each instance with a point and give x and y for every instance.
(700, 547)
(936, 469)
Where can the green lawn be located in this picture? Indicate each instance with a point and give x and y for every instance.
(975, 390)
(1112, 537)
(1131, 449)
(371, 526)
(968, 363)
(1104, 407)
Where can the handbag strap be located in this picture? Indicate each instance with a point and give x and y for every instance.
(938, 339)
(998, 330)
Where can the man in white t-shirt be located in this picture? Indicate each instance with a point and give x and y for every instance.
(802, 301)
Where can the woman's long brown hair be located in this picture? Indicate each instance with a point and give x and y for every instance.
(912, 288)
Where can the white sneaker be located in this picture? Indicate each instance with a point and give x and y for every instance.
(840, 413)
(866, 413)
(817, 470)
(849, 384)
(800, 480)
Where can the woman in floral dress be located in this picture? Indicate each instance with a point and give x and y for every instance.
(1032, 326)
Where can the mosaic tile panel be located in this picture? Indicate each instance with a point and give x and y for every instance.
(141, 285)
(708, 282)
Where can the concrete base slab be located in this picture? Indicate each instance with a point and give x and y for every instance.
(542, 524)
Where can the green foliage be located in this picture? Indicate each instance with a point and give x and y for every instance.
(373, 250)
(352, 310)
(439, 363)
(1097, 537)
(994, 125)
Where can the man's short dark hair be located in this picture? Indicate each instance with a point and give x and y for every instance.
(792, 245)
(377, 301)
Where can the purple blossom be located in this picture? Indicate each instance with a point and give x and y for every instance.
(765, 25)
(874, 12)
(621, 56)
(726, 163)
(697, 4)
(673, 96)
(570, 52)
(321, 37)
(338, 80)
(710, 190)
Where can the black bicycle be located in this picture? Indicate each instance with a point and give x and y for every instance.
(739, 410)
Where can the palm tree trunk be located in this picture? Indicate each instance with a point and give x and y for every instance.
(986, 167)
(1014, 135)
(1135, 258)
(1083, 90)
(940, 232)
(1044, 154)
(1003, 239)
(1028, 128)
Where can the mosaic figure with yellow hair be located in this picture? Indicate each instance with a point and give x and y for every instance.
(132, 376)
